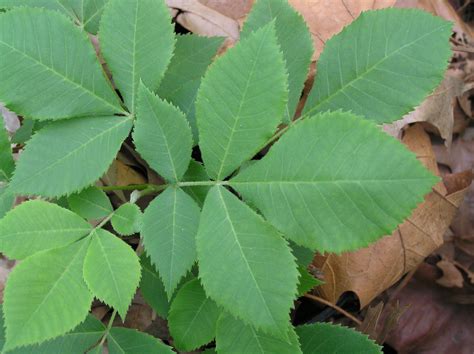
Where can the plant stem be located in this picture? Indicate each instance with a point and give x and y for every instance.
(335, 307)
(130, 187)
(201, 183)
(109, 326)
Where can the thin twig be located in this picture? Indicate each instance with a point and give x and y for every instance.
(335, 307)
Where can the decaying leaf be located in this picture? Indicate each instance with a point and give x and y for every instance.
(452, 277)
(371, 270)
(325, 18)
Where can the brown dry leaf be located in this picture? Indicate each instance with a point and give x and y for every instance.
(437, 109)
(204, 20)
(370, 271)
(236, 10)
(326, 18)
(452, 277)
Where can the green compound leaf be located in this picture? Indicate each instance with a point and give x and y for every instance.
(6, 200)
(169, 230)
(152, 288)
(244, 264)
(350, 185)
(193, 317)
(162, 135)
(241, 101)
(127, 219)
(141, 49)
(37, 225)
(7, 165)
(235, 337)
(46, 296)
(196, 172)
(331, 339)
(49, 68)
(130, 341)
(382, 65)
(91, 203)
(53, 172)
(192, 56)
(111, 270)
(75, 342)
(294, 39)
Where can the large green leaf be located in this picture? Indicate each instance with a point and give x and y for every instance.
(335, 182)
(169, 230)
(111, 270)
(6, 200)
(127, 219)
(294, 39)
(382, 65)
(51, 172)
(234, 336)
(152, 288)
(244, 264)
(75, 342)
(241, 101)
(192, 56)
(46, 296)
(331, 339)
(7, 165)
(49, 68)
(130, 341)
(193, 317)
(91, 203)
(37, 225)
(137, 41)
(162, 135)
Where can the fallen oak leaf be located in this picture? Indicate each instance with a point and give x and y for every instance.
(370, 271)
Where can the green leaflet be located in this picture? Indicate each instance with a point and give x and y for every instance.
(303, 255)
(75, 342)
(91, 203)
(193, 317)
(55, 300)
(169, 230)
(137, 41)
(6, 200)
(162, 135)
(49, 68)
(37, 225)
(234, 336)
(241, 101)
(196, 172)
(52, 172)
(111, 270)
(130, 341)
(350, 184)
(99, 349)
(7, 165)
(382, 65)
(328, 339)
(127, 219)
(244, 264)
(25, 131)
(192, 56)
(294, 39)
(306, 281)
(152, 288)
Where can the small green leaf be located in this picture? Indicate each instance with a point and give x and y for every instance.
(91, 203)
(130, 341)
(192, 56)
(25, 131)
(196, 172)
(7, 199)
(7, 165)
(244, 264)
(46, 296)
(304, 256)
(37, 225)
(193, 317)
(306, 281)
(53, 172)
(42, 78)
(328, 339)
(234, 336)
(241, 101)
(382, 65)
(141, 49)
(169, 230)
(111, 270)
(350, 185)
(294, 39)
(152, 288)
(162, 135)
(127, 219)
